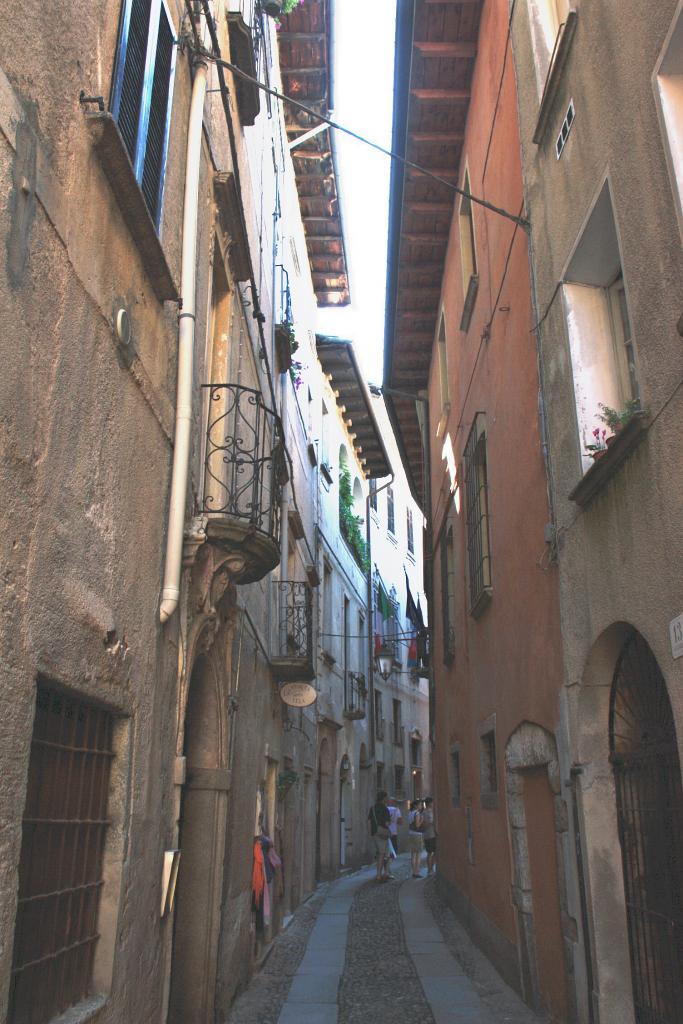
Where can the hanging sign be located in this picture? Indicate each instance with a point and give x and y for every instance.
(298, 695)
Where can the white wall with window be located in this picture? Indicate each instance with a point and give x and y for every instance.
(601, 344)
(668, 84)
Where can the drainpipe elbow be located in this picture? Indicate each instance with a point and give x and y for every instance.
(169, 603)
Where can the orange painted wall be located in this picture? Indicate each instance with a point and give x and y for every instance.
(508, 661)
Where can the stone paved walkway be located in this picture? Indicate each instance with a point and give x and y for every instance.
(359, 952)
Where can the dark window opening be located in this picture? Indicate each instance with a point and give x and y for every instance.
(60, 869)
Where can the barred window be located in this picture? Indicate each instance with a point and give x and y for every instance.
(391, 519)
(477, 516)
(398, 780)
(60, 869)
(448, 594)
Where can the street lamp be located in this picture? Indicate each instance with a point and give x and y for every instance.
(384, 660)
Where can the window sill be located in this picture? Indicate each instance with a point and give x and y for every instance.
(470, 298)
(82, 1013)
(604, 468)
(552, 82)
(113, 157)
(410, 555)
(391, 537)
(482, 602)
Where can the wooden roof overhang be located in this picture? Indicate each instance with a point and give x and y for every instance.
(436, 46)
(338, 360)
(305, 46)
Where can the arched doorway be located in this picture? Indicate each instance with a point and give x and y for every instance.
(202, 844)
(647, 775)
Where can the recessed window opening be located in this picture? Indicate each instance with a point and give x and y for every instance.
(456, 784)
(409, 531)
(476, 493)
(669, 92)
(448, 594)
(601, 341)
(61, 875)
(142, 92)
(391, 517)
(546, 17)
(443, 368)
(488, 765)
(468, 252)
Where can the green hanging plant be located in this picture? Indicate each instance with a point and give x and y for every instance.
(349, 523)
(285, 781)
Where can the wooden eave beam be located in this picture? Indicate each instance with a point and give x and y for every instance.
(432, 238)
(319, 36)
(440, 138)
(322, 70)
(424, 206)
(455, 49)
(441, 172)
(440, 95)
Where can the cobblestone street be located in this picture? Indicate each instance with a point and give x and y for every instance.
(358, 951)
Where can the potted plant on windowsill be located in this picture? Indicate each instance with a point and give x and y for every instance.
(616, 419)
(599, 447)
(285, 344)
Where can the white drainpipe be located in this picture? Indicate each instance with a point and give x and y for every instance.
(183, 416)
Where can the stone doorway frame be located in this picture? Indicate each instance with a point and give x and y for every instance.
(532, 746)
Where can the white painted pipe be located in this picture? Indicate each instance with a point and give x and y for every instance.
(183, 415)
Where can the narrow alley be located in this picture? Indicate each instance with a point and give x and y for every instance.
(358, 952)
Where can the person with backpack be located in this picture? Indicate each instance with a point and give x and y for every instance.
(415, 829)
(380, 820)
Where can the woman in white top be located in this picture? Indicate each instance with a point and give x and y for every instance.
(415, 837)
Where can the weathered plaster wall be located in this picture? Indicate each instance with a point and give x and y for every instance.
(507, 663)
(618, 556)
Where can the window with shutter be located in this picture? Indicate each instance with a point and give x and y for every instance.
(142, 91)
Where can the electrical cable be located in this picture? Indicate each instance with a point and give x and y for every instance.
(520, 221)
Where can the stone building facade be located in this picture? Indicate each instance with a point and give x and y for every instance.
(600, 127)
(161, 457)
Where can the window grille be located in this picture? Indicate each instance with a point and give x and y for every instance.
(409, 530)
(60, 870)
(489, 768)
(476, 496)
(456, 784)
(391, 521)
(398, 781)
(448, 594)
(141, 94)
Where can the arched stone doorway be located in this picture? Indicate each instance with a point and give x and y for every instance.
(202, 843)
(538, 825)
(649, 799)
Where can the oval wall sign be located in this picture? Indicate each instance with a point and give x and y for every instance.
(298, 695)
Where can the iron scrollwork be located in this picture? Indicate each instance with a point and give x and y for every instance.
(295, 620)
(245, 462)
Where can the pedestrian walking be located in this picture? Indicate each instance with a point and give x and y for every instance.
(396, 820)
(379, 819)
(415, 827)
(429, 834)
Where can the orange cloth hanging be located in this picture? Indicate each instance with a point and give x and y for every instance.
(258, 875)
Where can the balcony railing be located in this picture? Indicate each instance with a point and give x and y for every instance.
(245, 470)
(355, 695)
(292, 645)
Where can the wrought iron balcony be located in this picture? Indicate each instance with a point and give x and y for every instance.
(355, 695)
(245, 470)
(292, 645)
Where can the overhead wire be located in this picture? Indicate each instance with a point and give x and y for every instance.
(220, 62)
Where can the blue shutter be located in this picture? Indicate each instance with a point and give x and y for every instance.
(155, 150)
(129, 100)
